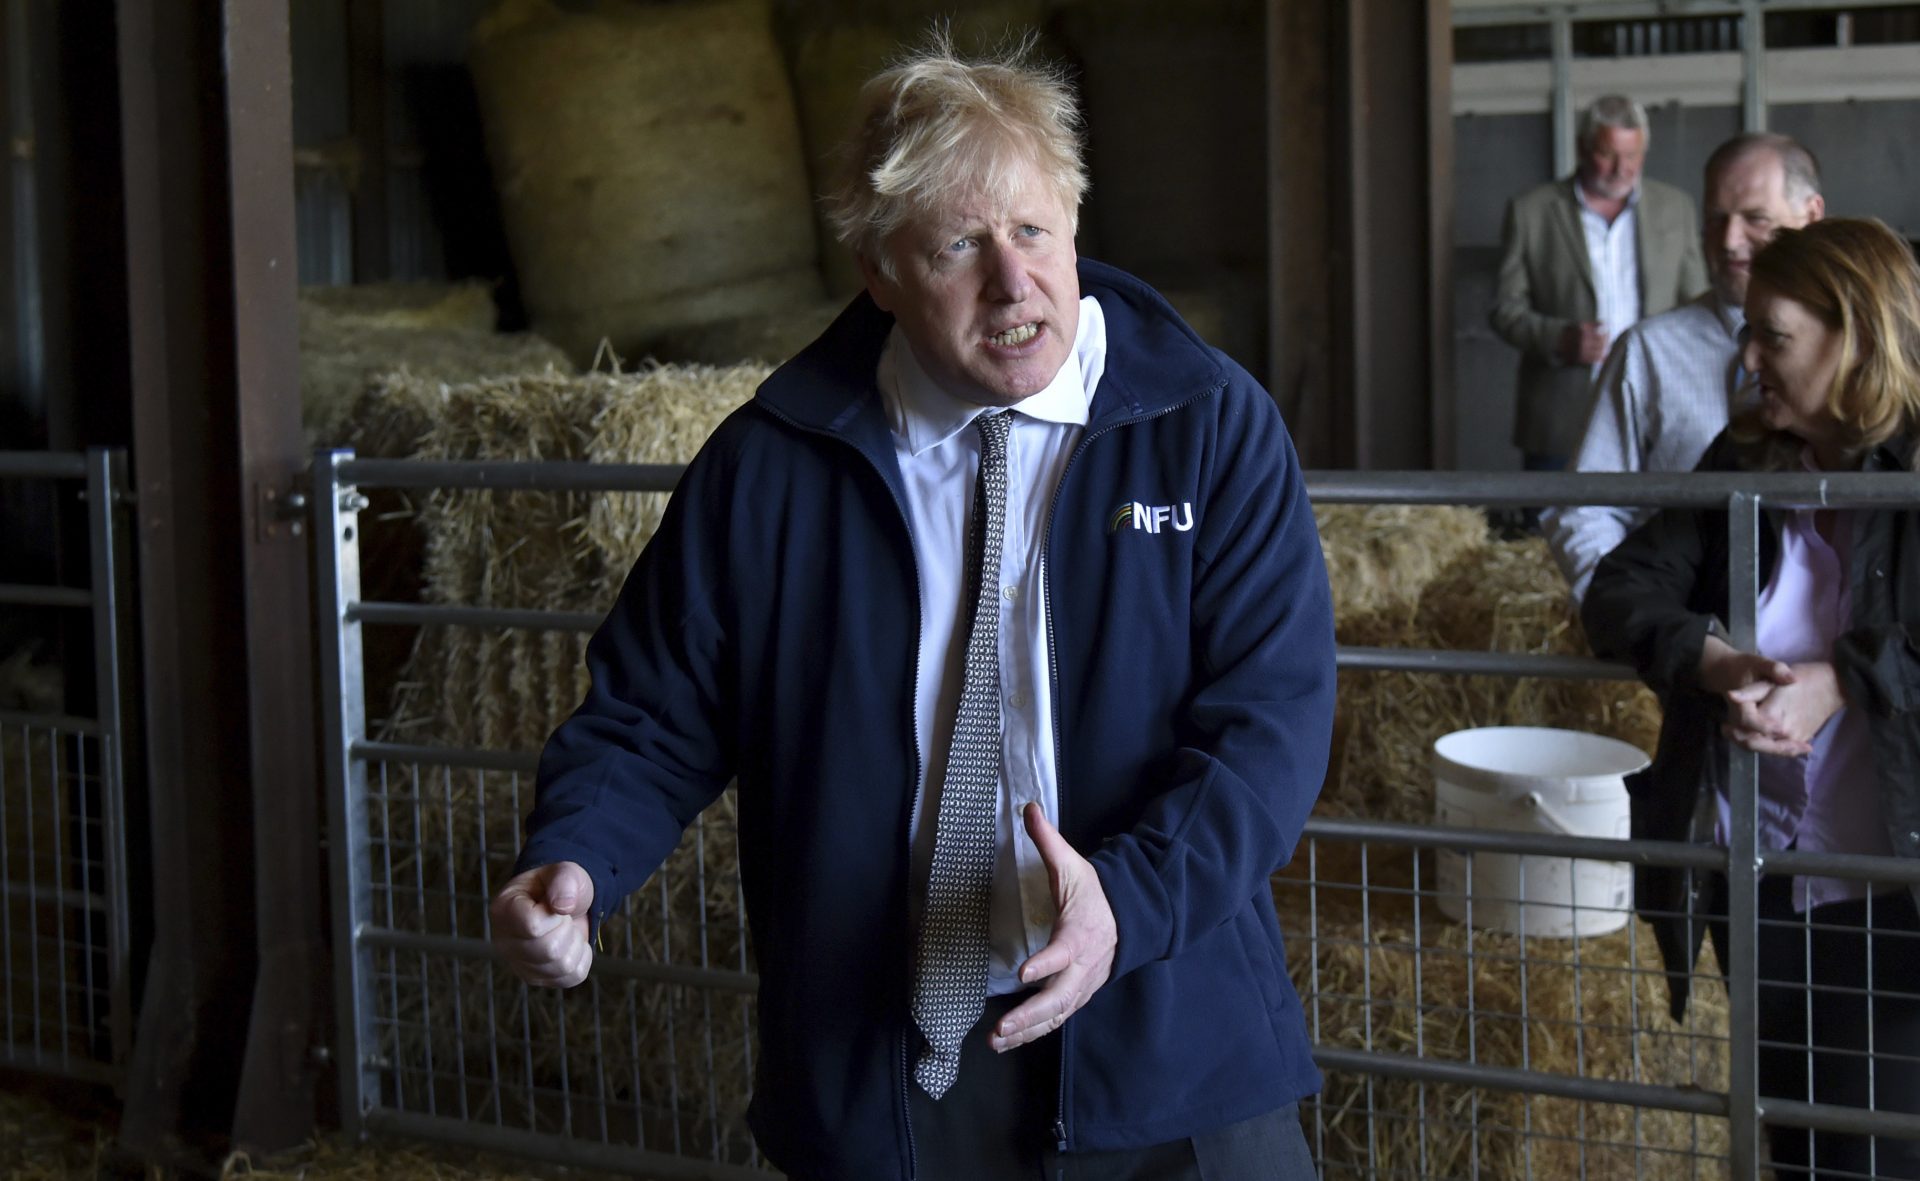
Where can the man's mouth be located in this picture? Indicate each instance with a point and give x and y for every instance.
(1017, 335)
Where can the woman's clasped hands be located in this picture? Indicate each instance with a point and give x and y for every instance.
(1773, 708)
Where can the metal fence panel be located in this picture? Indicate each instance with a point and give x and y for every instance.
(65, 1003)
(1450, 1049)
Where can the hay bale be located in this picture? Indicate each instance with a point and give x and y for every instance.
(771, 338)
(830, 64)
(1384, 555)
(1375, 974)
(353, 338)
(458, 307)
(649, 165)
(1494, 597)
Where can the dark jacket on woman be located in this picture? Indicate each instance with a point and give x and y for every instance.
(1652, 602)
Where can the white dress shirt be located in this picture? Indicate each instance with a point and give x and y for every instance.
(1613, 259)
(939, 456)
(1664, 392)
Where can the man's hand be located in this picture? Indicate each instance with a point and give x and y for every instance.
(1583, 343)
(1781, 719)
(540, 924)
(1078, 959)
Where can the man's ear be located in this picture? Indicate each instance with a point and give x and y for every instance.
(878, 285)
(1816, 208)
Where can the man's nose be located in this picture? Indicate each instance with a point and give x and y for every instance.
(1731, 234)
(1009, 281)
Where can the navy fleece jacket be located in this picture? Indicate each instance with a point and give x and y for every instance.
(769, 633)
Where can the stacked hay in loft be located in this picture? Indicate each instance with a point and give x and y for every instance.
(1432, 578)
(505, 689)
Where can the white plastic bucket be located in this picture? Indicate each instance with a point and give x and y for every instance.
(1534, 779)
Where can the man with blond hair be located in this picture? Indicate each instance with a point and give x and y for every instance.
(1670, 383)
(1003, 603)
(1581, 260)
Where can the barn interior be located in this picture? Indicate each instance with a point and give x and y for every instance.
(244, 242)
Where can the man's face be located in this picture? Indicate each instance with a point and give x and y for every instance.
(1747, 204)
(988, 297)
(1610, 164)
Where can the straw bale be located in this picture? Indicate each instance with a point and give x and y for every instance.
(649, 165)
(1502, 596)
(1382, 969)
(458, 307)
(772, 337)
(830, 64)
(1384, 555)
(354, 339)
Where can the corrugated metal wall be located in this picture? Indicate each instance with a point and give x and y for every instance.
(433, 149)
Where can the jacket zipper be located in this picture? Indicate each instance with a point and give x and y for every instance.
(1059, 755)
(913, 722)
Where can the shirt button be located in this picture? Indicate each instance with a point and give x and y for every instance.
(1018, 701)
(1012, 593)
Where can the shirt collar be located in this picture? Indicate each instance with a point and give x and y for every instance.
(924, 415)
(1733, 317)
(1580, 195)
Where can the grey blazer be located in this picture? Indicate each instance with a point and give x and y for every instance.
(1546, 283)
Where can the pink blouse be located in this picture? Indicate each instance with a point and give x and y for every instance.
(1829, 799)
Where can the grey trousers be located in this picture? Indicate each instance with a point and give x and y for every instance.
(996, 1122)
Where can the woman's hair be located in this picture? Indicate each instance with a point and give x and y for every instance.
(935, 128)
(1860, 279)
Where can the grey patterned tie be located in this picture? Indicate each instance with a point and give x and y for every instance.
(950, 961)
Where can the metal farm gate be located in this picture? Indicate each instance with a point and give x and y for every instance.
(65, 992)
(1450, 1050)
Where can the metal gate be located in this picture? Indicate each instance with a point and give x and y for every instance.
(1434, 1034)
(65, 1003)
(642, 1069)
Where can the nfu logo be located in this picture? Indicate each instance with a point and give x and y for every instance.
(1151, 517)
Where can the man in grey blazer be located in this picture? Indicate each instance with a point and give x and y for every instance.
(1581, 260)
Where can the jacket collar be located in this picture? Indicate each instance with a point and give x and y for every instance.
(1154, 363)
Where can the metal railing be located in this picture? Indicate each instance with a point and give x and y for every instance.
(65, 994)
(646, 1067)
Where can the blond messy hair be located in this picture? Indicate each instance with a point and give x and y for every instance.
(1860, 279)
(936, 128)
